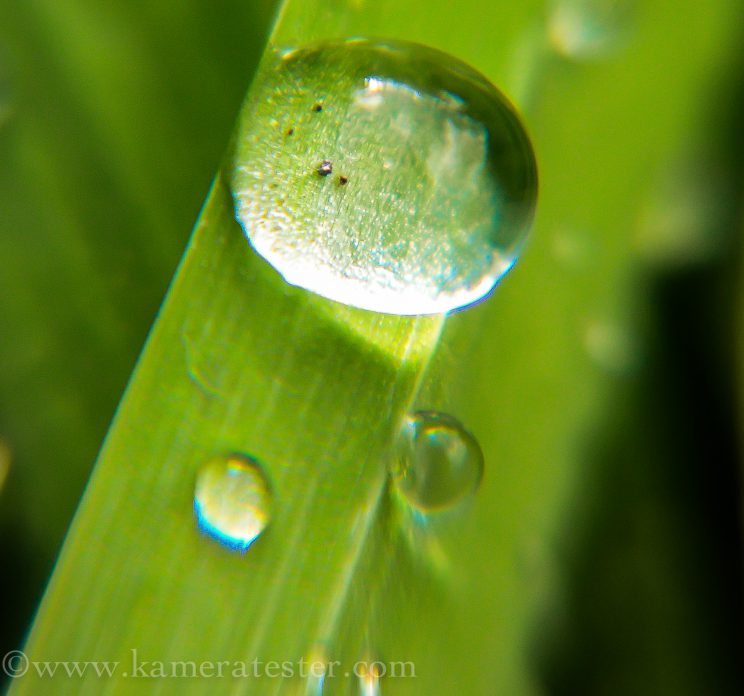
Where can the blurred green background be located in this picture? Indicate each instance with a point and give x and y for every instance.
(113, 120)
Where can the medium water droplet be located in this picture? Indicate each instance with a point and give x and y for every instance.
(438, 461)
(588, 29)
(444, 177)
(232, 500)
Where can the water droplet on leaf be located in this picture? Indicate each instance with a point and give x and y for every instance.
(444, 176)
(438, 462)
(232, 500)
(315, 670)
(682, 224)
(572, 248)
(369, 673)
(588, 29)
(611, 348)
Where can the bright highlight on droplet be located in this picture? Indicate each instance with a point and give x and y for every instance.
(409, 191)
(438, 462)
(232, 500)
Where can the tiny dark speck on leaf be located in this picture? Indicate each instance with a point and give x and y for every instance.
(343, 180)
(325, 168)
(318, 107)
(290, 131)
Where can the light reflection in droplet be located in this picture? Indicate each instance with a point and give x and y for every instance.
(232, 500)
(438, 461)
(390, 114)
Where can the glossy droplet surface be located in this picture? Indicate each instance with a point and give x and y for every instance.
(433, 185)
(232, 500)
(438, 462)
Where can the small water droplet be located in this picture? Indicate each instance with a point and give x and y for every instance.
(232, 500)
(444, 176)
(572, 248)
(611, 348)
(316, 668)
(588, 29)
(369, 672)
(438, 462)
(204, 371)
(682, 224)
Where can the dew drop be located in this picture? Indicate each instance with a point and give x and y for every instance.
(588, 29)
(232, 500)
(611, 348)
(437, 463)
(681, 224)
(316, 671)
(444, 176)
(369, 674)
(572, 248)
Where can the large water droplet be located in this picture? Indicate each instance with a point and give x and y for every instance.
(232, 500)
(384, 175)
(438, 462)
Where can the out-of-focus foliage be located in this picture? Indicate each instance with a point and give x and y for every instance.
(113, 119)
